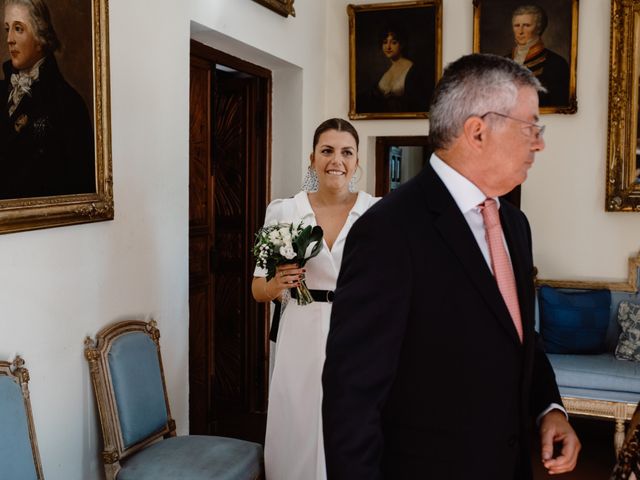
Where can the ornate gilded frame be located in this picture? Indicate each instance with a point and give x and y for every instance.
(20, 375)
(623, 182)
(484, 8)
(354, 11)
(282, 7)
(96, 352)
(54, 211)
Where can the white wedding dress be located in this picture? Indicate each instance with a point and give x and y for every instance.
(294, 448)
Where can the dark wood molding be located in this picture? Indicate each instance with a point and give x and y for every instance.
(221, 58)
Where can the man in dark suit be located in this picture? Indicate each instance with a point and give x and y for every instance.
(431, 372)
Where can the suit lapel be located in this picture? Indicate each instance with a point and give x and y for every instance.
(457, 235)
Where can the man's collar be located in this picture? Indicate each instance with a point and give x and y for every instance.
(464, 192)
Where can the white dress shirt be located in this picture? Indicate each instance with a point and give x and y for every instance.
(468, 196)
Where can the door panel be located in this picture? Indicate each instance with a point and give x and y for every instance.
(228, 191)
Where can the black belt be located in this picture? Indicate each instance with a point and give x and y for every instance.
(317, 295)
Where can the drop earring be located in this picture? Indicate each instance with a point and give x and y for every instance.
(352, 183)
(310, 182)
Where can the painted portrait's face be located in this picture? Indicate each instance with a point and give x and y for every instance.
(335, 159)
(524, 28)
(24, 49)
(391, 47)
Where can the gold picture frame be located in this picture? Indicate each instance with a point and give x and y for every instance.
(281, 7)
(84, 65)
(623, 161)
(553, 58)
(416, 27)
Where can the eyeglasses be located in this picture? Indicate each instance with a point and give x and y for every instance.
(532, 129)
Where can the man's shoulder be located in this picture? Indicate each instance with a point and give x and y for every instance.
(398, 209)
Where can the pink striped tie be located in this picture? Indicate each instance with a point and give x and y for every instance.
(500, 262)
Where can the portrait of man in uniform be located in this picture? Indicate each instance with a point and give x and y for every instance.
(541, 36)
(46, 117)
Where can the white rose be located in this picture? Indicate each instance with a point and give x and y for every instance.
(287, 252)
(274, 237)
(285, 231)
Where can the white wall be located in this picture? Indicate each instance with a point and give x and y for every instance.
(59, 285)
(564, 196)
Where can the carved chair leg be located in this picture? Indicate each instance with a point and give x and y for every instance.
(618, 438)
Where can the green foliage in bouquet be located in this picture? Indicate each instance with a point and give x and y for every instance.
(282, 243)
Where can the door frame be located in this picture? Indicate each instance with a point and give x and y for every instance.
(257, 335)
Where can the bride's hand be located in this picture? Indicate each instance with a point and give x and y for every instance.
(287, 276)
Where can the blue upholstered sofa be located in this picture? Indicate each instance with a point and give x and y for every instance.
(599, 385)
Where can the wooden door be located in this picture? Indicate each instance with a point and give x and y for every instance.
(228, 347)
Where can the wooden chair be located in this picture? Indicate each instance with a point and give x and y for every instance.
(19, 456)
(628, 464)
(139, 435)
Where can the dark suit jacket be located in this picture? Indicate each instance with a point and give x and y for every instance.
(46, 146)
(425, 376)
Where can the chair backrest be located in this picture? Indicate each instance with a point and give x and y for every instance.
(128, 381)
(19, 456)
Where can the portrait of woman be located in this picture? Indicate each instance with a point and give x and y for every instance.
(395, 59)
(46, 133)
(401, 86)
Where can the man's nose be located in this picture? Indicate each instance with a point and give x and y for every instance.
(538, 144)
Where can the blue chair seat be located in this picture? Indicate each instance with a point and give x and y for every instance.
(138, 431)
(602, 372)
(195, 457)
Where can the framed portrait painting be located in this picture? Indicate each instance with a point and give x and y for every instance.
(55, 140)
(282, 7)
(543, 36)
(623, 133)
(395, 58)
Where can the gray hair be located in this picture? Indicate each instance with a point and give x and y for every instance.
(40, 22)
(472, 86)
(538, 13)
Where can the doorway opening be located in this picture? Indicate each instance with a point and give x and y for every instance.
(229, 168)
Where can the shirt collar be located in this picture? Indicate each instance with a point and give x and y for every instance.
(305, 210)
(465, 193)
(303, 205)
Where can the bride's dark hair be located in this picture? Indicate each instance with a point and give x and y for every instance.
(337, 124)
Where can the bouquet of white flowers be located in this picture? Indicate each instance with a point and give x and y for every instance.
(282, 243)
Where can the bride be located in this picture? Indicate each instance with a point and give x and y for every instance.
(294, 447)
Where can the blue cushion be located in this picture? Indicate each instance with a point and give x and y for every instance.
(598, 373)
(16, 457)
(195, 457)
(137, 383)
(600, 395)
(574, 321)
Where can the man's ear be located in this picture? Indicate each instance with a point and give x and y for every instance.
(475, 131)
